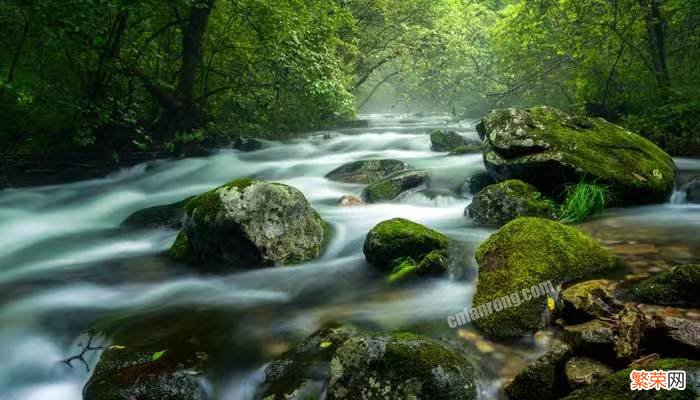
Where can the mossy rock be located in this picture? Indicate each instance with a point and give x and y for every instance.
(477, 182)
(444, 140)
(616, 386)
(400, 238)
(591, 299)
(584, 371)
(679, 286)
(392, 186)
(366, 171)
(434, 263)
(551, 149)
(505, 201)
(544, 378)
(167, 216)
(250, 223)
(400, 366)
(526, 252)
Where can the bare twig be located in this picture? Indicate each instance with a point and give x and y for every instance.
(81, 356)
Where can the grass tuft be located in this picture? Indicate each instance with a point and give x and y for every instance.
(583, 200)
(403, 267)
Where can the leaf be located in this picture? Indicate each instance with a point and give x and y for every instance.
(157, 355)
(117, 347)
(551, 305)
(325, 345)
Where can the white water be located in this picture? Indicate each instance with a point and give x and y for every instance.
(65, 263)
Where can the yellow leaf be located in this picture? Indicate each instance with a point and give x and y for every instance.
(325, 344)
(551, 305)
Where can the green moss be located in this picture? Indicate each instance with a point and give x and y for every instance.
(617, 386)
(465, 149)
(403, 269)
(382, 190)
(526, 252)
(502, 202)
(180, 249)
(398, 238)
(444, 140)
(675, 287)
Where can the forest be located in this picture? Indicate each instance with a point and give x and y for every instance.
(349, 199)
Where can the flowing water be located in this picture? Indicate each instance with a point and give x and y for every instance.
(65, 263)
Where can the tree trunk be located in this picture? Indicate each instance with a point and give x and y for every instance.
(656, 38)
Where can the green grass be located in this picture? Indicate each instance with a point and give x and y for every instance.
(403, 267)
(583, 200)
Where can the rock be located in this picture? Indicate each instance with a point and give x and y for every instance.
(616, 339)
(465, 149)
(366, 171)
(588, 300)
(250, 223)
(584, 371)
(679, 286)
(392, 186)
(544, 378)
(616, 386)
(477, 182)
(400, 366)
(505, 201)
(400, 238)
(350, 200)
(122, 374)
(304, 371)
(353, 123)
(434, 263)
(527, 252)
(247, 144)
(550, 149)
(674, 335)
(444, 140)
(692, 191)
(168, 216)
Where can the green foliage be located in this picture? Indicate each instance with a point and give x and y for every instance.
(583, 200)
(403, 267)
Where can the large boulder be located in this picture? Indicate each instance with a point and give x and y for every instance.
(524, 253)
(551, 149)
(393, 185)
(503, 202)
(616, 386)
(400, 238)
(366, 171)
(400, 366)
(250, 223)
(679, 286)
(544, 378)
(444, 140)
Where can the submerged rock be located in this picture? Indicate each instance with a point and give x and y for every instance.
(692, 191)
(444, 140)
(400, 238)
(674, 335)
(505, 201)
(616, 386)
(590, 299)
(366, 171)
(167, 216)
(247, 144)
(550, 149)
(679, 286)
(350, 200)
(392, 186)
(250, 223)
(527, 252)
(544, 378)
(584, 371)
(304, 371)
(466, 149)
(400, 366)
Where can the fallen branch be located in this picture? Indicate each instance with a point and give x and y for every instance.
(81, 356)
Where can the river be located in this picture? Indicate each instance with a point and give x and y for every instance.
(65, 263)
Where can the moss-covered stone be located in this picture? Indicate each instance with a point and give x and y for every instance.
(617, 385)
(591, 299)
(366, 171)
(400, 366)
(505, 201)
(434, 263)
(525, 252)
(465, 149)
(477, 182)
(679, 286)
(167, 216)
(248, 223)
(550, 149)
(392, 186)
(584, 371)
(444, 140)
(399, 238)
(544, 379)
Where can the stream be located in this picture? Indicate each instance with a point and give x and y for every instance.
(65, 263)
